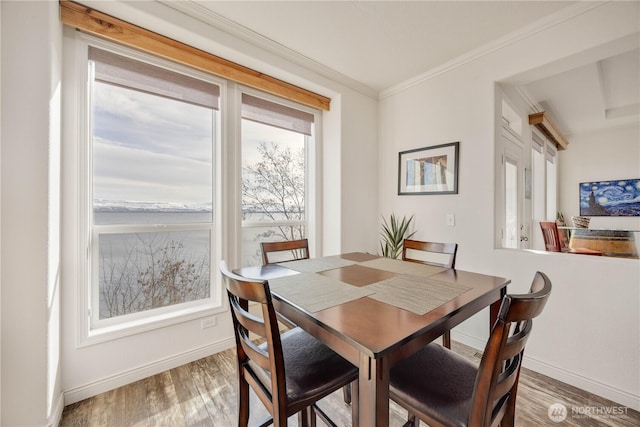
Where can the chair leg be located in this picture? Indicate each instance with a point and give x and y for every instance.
(346, 392)
(412, 421)
(243, 402)
(446, 340)
(307, 417)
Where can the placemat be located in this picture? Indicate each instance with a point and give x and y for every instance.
(403, 267)
(417, 294)
(314, 292)
(314, 265)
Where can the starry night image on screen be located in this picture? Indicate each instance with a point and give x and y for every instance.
(610, 198)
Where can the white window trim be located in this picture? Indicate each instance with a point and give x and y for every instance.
(76, 137)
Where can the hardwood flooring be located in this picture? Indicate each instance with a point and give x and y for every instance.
(202, 393)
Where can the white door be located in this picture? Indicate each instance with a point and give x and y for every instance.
(515, 233)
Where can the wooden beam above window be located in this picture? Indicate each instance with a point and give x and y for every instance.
(546, 126)
(94, 22)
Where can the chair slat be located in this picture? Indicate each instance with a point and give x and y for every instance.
(299, 250)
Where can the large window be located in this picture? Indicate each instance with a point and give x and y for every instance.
(152, 163)
(276, 143)
(153, 135)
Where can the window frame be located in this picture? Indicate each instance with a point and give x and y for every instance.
(312, 168)
(91, 331)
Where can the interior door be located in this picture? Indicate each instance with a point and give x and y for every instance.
(515, 233)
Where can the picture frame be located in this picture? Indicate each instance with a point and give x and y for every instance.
(429, 170)
(619, 197)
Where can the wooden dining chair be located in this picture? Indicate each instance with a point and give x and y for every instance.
(299, 249)
(443, 388)
(290, 372)
(551, 236)
(440, 254)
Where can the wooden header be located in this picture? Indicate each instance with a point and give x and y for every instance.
(93, 22)
(546, 126)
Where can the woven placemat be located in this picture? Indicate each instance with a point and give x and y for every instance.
(417, 294)
(403, 267)
(315, 265)
(314, 292)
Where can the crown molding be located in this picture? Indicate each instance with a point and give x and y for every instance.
(213, 19)
(209, 17)
(513, 37)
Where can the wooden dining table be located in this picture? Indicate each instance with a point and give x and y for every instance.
(376, 311)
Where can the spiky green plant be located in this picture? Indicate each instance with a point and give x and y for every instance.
(393, 234)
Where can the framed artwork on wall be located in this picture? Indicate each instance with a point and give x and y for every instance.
(429, 170)
(610, 198)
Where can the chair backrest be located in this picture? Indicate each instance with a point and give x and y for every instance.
(299, 249)
(497, 378)
(551, 236)
(250, 357)
(445, 253)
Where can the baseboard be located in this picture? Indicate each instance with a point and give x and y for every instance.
(56, 415)
(109, 383)
(465, 339)
(614, 394)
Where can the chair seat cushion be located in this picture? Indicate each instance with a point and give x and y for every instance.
(436, 382)
(311, 368)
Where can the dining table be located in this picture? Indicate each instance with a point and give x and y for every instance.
(375, 311)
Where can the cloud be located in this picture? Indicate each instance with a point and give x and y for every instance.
(152, 123)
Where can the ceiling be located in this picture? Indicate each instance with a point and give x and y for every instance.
(376, 45)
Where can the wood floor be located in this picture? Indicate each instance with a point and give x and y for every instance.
(202, 393)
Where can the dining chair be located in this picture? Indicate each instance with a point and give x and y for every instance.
(288, 372)
(551, 236)
(439, 254)
(299, 249)
(443, 388)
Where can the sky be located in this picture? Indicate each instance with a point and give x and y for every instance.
(149, 148)
(153, 149)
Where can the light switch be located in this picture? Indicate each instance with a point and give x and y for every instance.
(451, 220)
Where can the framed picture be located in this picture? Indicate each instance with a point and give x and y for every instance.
(429, 170)
(610, 198)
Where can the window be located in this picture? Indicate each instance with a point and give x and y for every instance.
(153, 136)
(145, 165)
(277, 144)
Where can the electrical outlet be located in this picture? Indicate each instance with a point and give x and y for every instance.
(208, 322)
(451, 220)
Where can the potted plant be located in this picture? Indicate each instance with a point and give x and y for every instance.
(393, 234)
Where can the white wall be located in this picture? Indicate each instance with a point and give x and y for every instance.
(348, 129)
(589, 334)
(37, 362)
(599, 156)
(30, 246)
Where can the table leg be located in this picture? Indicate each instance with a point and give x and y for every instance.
(373, 394)
(494, 309)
